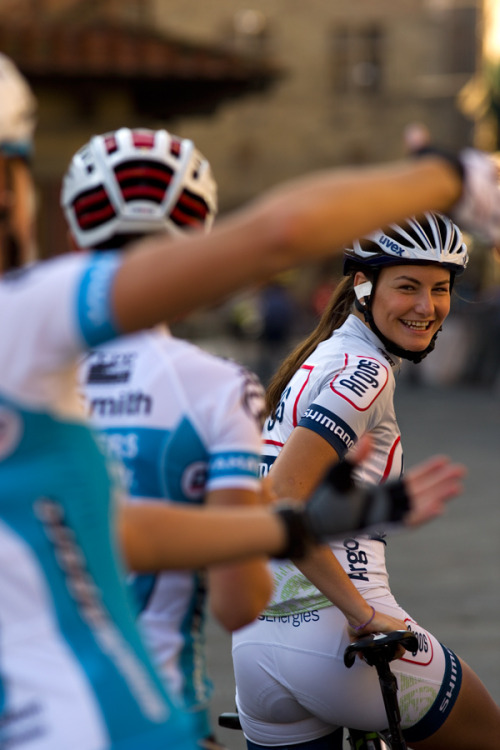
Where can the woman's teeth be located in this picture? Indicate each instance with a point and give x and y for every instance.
(417, 325)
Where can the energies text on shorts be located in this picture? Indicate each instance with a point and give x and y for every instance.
(296, 619)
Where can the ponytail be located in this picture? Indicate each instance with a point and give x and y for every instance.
(334, 315)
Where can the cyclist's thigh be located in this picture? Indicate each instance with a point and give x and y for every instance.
(428, 680)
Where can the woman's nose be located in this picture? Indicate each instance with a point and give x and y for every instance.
(424, 303)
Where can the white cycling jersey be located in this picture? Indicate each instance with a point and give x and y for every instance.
(74, 672)
(292, 684)
(182, 422)
(343, 390)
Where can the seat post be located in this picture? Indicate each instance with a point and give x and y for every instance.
(389, 687)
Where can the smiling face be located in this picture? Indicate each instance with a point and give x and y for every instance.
(410, 303)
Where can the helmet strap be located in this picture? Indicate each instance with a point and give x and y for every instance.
(363, 290)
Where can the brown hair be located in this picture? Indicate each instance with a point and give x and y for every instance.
(334, 315)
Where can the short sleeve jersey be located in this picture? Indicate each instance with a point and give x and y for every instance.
(182, 422)
(343, 390)
(74, 672)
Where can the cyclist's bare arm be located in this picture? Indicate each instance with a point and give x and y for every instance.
(429, 486)
(159, 537)
(296, 223)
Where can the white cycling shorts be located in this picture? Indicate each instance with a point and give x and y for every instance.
(292, 685)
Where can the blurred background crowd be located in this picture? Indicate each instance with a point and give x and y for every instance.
(269, 89)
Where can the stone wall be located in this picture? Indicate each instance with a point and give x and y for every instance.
(322, 112)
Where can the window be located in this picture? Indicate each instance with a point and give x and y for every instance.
(462, 39)
(357, 59)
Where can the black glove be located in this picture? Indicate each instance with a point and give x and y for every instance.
(338, 507)
(477, 211)
(452, 158)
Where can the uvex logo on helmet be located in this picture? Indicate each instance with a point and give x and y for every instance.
(391, 245)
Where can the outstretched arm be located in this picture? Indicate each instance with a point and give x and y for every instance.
(157, 537)
(293, 224)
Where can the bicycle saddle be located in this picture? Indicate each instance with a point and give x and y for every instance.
(380, 647)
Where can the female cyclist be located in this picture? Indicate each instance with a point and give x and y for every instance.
(292, 685)
(179, 438)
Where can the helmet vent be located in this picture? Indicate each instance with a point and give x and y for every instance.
(110, 144)
(190, 210)
(143, 180)
(369, 247)
(143, 139)
(401, 239)
(175, 147)
(93, 208)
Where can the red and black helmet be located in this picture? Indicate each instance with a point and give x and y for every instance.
(137, 181)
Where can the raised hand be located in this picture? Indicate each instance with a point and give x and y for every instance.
(430, 485)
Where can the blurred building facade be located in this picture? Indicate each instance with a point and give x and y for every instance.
(268, 89)
(356, 72)
(97, 65)
(347, 77)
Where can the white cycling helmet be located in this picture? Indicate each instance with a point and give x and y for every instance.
(140, 181)
(430, 238)
(17, 111)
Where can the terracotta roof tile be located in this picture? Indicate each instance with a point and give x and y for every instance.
(105, 48)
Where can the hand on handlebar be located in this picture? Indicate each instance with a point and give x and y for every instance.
(381, 623)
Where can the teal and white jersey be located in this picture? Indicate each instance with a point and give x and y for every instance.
(73, 670)
(343, 390)
(182, 422)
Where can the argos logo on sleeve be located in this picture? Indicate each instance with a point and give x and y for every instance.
(361, 382)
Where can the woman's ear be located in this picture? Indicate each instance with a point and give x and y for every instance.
(360, 278)
(363, 287)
